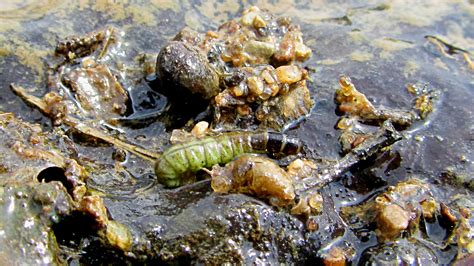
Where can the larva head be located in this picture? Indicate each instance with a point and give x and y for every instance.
(166, 174)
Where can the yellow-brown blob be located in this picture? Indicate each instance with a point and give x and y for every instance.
(254, 175)
(391, 221)
(352, 101)
(289, 74)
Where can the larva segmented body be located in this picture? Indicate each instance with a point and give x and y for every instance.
(204, 153)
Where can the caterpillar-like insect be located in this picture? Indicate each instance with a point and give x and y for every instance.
(193, 156)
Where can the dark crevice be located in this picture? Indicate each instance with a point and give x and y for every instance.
(55, 173)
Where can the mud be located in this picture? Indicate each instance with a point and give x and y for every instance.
(383, 46)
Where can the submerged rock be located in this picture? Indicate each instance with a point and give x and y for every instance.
(28, 213)
(29, 205)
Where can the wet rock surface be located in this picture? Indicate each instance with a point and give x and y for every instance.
(125, 216)
(30, 208)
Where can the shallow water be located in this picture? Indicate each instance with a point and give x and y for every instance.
(381, 45)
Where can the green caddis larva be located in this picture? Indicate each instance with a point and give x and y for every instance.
(192, 156)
